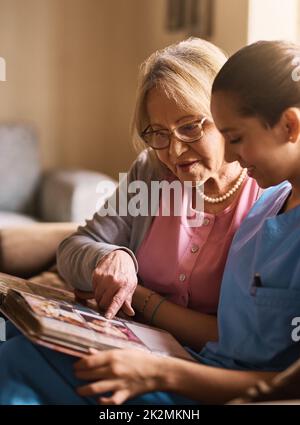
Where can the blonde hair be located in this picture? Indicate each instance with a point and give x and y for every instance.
(185, 71)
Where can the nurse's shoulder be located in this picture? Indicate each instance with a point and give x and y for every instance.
(271, 201)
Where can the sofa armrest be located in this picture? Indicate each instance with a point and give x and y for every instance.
(26, 251)
(71, 195)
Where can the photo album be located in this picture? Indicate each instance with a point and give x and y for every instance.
(53, 318)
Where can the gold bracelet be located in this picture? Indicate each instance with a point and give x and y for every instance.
(147, 299)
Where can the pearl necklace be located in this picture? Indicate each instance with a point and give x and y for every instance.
(227, 194)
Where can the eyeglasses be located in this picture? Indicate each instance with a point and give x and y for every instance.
(160, 138)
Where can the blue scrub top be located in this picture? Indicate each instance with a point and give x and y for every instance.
(255, 330)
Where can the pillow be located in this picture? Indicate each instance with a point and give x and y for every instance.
(29, 249)
(20, 168)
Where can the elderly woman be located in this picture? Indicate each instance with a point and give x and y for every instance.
(256, 105)
(166, 270)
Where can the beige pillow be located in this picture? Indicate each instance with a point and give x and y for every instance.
(30, 249)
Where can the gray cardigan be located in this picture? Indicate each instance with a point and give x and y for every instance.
(78, 255)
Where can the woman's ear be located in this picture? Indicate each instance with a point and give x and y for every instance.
(291, 122)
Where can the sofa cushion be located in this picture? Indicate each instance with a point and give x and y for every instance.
(19, 168)
(9, 219)
(27, 250)
(73, 195)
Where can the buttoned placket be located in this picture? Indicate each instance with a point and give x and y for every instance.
(192, 253)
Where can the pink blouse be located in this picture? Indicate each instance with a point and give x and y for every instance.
(187, 263)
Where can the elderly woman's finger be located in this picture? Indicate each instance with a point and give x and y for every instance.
(117, 302)
(122, 315)
(127, 309)
(109, 294)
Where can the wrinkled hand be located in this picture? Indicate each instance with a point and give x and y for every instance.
(124, 373)
(114, 282)
(83, 296)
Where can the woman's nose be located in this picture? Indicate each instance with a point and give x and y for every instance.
(177, 147)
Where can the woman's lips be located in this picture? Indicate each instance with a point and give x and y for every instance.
(186, 166)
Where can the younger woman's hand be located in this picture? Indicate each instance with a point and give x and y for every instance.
(124, 373)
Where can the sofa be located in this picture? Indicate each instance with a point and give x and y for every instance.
(38, 208)
(29, 195)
